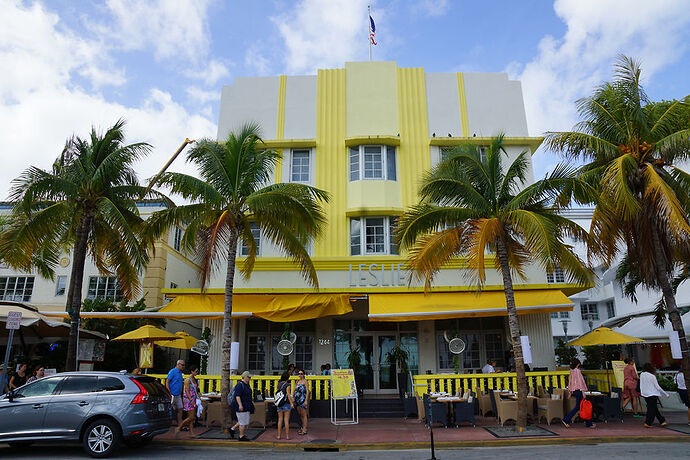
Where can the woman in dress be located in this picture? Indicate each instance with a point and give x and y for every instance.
(630, 379)
(578, 387)
(190, 394)
(300, 398)
(19, 378)
(39, 373)
(287, 406)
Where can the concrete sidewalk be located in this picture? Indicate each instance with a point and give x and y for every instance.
(396, 433)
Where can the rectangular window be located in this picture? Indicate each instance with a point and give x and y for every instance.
(60, 285)
(482, 154)
(373, 162)
(446, 359)
(299, 166)
(471, 354)
(256, 353)
(304, 347)
(373, 235)
(564, 314)
(104, 287)
(493, 344)
(16, 288)
(589, 311)
(556, 276)
(554, 315)
(610, 309)
(256, 233)
(177, 238)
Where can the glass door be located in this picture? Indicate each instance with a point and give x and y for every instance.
(365, 343)
(386, 379)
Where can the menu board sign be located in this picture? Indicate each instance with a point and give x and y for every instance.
(343, 383)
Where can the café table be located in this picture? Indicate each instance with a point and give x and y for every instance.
(514, 397)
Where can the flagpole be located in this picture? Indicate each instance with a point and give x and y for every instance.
(369, 28)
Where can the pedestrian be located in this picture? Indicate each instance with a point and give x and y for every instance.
(20, 377)
(489, 367)
(630, 393)
(285, 406)
(39, 373)
(682, 390)
(190, 396)
(328, 368)
(291, 369)
(300, 397)
(578, 387)
(323, 369)
(651, 391)
(243, 405)
(174, 383)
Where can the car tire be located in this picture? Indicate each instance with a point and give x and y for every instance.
(138, 442)
(102, 438)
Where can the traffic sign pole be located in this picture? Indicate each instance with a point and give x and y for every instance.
(7, 358)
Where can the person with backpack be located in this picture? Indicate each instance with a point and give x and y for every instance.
(682, 390)
(578, 387)
(243, 405)
(651, 391)
(284, 404)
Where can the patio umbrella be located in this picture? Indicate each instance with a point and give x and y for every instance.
(184, 341)
(604, 336)
(146, 333)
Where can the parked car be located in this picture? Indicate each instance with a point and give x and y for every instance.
(102, 410)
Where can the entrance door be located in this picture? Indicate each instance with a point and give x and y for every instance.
(386, 378)
(378, 375)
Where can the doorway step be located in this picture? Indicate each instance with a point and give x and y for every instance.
(381, 408)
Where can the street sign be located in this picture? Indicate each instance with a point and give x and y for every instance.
(14, 319)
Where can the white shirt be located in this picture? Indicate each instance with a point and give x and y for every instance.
(680, 381)
(488, 369)
(649, 386)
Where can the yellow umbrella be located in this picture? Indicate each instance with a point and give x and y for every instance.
(146, 333)
(183, 341)
(603, 336)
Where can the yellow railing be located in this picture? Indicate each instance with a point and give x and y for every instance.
(319, 386)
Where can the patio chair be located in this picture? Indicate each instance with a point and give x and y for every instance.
(439, 412)
(540, 392)
(568, 401)
(506, 409)
(420, 408)
(485, 405)
(611, 406)
(550, 409)
(464, 411)
(492, 398)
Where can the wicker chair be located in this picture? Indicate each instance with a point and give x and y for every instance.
(485, 405)
(507, 409)
(550, 409)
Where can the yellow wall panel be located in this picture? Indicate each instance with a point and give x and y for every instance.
(371, 98)
(364, 195)
(280, 125)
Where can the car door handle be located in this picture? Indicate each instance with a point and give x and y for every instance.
(83, 403)
(37, 406)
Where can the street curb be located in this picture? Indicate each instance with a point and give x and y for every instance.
(425, 445)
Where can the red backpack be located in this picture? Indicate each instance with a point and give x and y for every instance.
(586, 410)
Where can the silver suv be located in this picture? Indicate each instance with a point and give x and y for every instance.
(99, 409)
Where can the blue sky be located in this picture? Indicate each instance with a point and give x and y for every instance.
(161, 64)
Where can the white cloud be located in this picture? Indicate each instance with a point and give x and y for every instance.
(433, 7)
(324, 33)
(210, 75)
(570, 67)
(41, 105)
(254, 59)
(201, 96)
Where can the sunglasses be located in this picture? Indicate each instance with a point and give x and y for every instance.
(300, 373)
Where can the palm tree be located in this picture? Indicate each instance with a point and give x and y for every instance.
(471, 204)
(87, 202)
(231, 195)
(631, 149)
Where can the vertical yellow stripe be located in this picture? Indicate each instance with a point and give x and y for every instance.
(280, 125)
(463, 105)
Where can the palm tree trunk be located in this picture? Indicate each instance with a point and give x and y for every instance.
(227, 329)
(514, 334)
(75, 289)
(663, 278)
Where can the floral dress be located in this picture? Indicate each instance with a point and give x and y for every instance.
(190, 396)
(301, 396)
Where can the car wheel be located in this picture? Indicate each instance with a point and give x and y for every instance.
(138, 442)
(102, 438)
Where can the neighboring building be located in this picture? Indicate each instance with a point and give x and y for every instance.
(366, 133)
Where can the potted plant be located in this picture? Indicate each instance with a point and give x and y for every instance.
(397, 358)
(354, 360)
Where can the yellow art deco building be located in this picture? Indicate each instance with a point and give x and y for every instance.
(366, 133)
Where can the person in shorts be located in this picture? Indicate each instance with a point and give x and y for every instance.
(174, 383)
(287, 406)
(243, 405)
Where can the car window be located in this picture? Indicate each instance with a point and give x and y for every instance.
(43, 387)
(152, 386)
(79, 384)
(110, 384)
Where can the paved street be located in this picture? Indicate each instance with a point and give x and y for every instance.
(670, 450)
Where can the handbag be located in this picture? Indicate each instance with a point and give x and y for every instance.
(280, 396)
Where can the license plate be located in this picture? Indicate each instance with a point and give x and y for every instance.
(161, 407)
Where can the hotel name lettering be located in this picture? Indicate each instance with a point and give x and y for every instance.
(377, 275)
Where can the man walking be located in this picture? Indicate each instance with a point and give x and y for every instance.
(174, 383)
(243, 405)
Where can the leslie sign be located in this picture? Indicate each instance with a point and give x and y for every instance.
(377, 275)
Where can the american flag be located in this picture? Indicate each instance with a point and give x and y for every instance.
(372, 30)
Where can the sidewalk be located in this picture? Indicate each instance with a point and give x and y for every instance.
(384, 433)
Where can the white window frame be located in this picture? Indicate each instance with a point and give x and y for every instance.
(389, 247)
(588, 308)
(244, 249)
(108, 281)
(266, 352)
(310, 167)
(610, 308)
(57, 285)
(17, 295)
(177, 238)
(356, 170)
(557, 276)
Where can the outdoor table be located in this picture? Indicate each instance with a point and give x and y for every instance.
(449, 400)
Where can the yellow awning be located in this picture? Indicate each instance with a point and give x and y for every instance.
(442, 305)
(278, 308)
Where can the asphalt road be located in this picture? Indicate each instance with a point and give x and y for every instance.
(667, 451)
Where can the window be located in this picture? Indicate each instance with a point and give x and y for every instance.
(493, 343)
(375, 162)
(104, 287)
(610, 309)
(60, 285)
(43, 387)
(560, 314)
(589, 311)
(470, 357)
(177, 238)
(555, 276)
(256, 353)
(554, 315)
(109, 384)
(256, 233)
(79, 384)
(299, 166)
(372, 235)
(303, 352)
(446, 153)
(16, 288)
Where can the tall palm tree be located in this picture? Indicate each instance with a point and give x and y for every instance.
(632, 149)
(471, 205)
(231, 195)
(87, 202)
